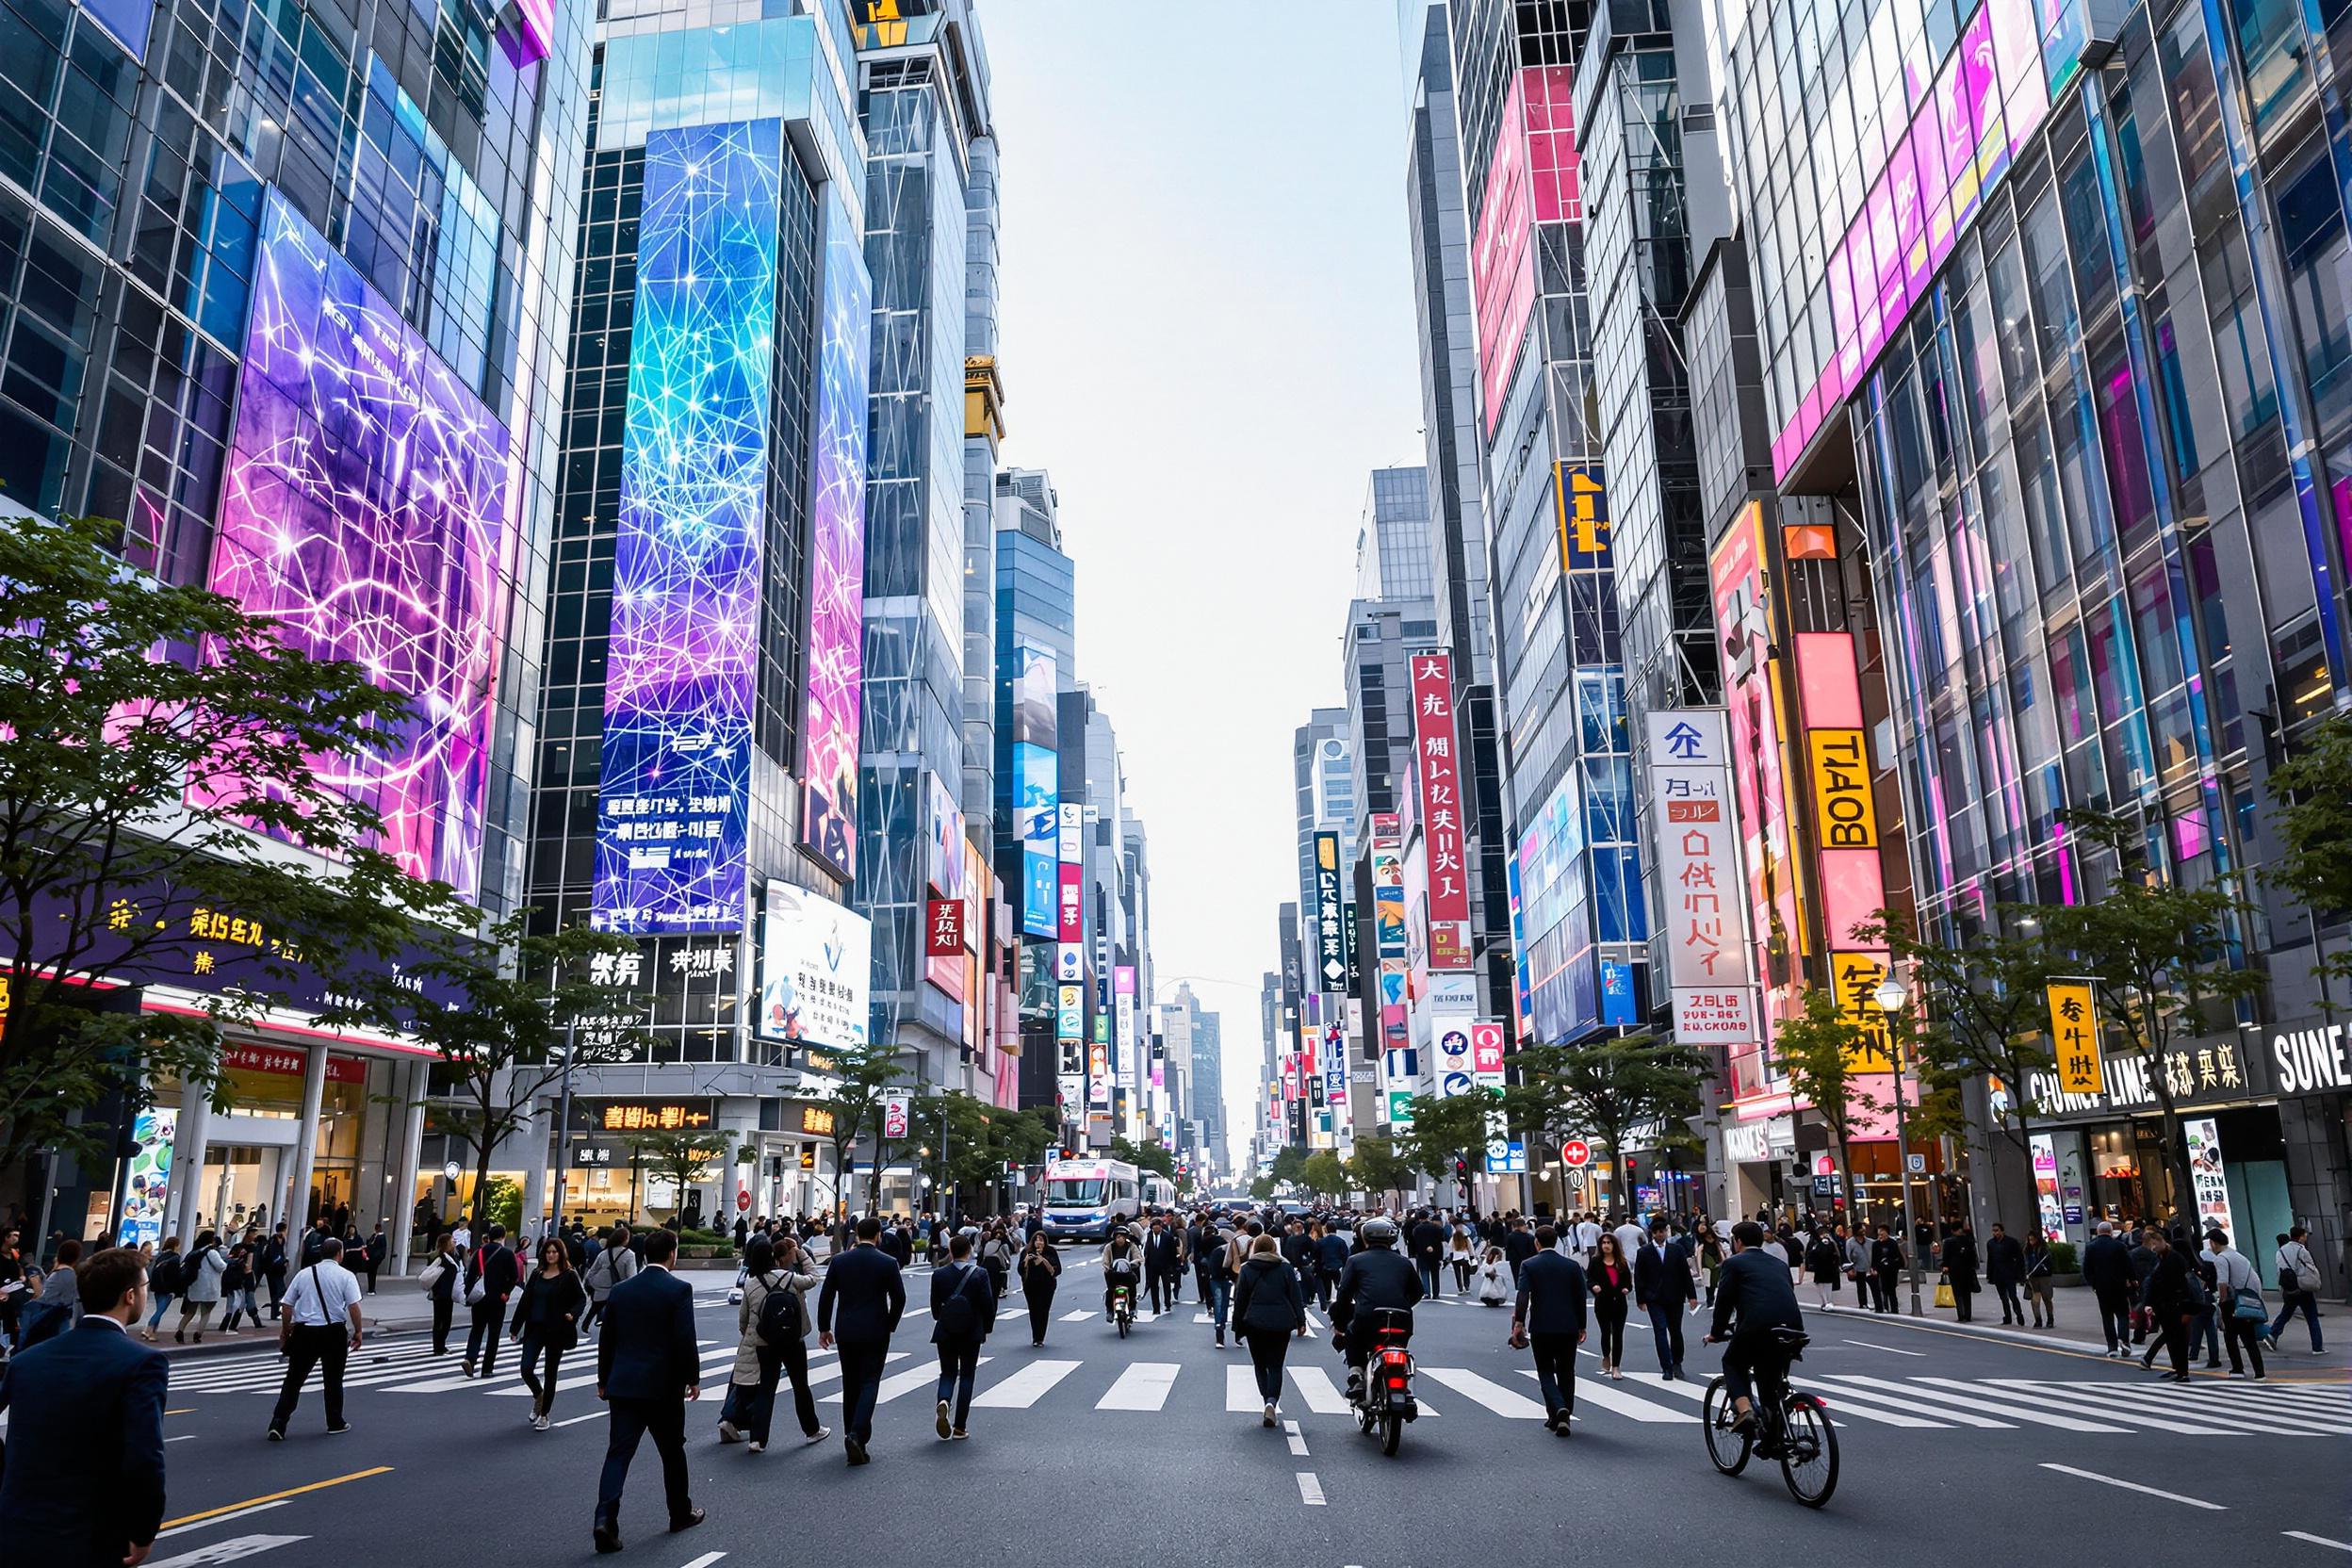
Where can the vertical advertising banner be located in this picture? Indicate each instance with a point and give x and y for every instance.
(2075, 1038)
(895, 1116)
(1437, 761)
(2211, 1182)
(837, 552)
(1757, 713)
(1034, 787)
(673, 808)
(1329, 916)
(1453, 1013)
(1845, 821)
(147, 1196)
(1071, 906)
(1696, 829)
(1123, 1021)
(943, 875)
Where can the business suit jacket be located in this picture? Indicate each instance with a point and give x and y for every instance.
(2107, 1267)
(864, 1294)
(1658, 1282)
(647, 1349)
(970, 1280)
(1551, 1294)
(83, 1477)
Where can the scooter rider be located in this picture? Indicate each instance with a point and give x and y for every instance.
(1375, 1277)
(1122, 1264)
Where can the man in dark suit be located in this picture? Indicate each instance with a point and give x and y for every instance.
(859, 1307)
(1662, 1286)
(2107, 1269)
(963, 1310)
(1427, 1241)
(647, 1367)
(1960, 1263)
(1163, 1253)
(1550, 1319)
(82, 1485)
(494, 1264)
(1755, 1294)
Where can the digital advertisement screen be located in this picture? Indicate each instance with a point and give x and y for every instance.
(363, 507)
(816, 961)
(837, 552)
(1036, 802)
(687, 570)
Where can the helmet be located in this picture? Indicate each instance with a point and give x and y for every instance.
(1379, 1233)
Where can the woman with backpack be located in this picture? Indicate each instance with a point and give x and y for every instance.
(163, 1284)
(773, 1320)
(236, 1284)
(997, 1256)
(439, 1278)
(200, 1286)
(1268, 1308)
(1041, 1274)
(546, 1320)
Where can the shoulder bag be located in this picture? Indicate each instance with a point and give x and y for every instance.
(479, 1290)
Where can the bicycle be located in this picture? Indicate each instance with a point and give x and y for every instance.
(1791, 1426)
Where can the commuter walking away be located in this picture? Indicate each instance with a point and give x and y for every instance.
(1960, 1267)
(1662, 1287)
(1427, 1241)
(200, 1286)
(994, 1253)
(2107, 1269)
(546, 1322)
(2245, 1315)
(1269, 1307)
(1824, 1264)
(491, 1275)
(1610, 1280)
(773, 1321)
(439, 1280)
(237, 1284)
(2298, 1286)
(1887, 1263)
(273, 1268)
(2206, 1330)
(1494, 1279)
(163, 1283)
(1548, 1319)
(1041, 1274)
(2039, 1292)
(83, 1485)
(611, 1266)
(378, 1248)
(648, 1365)
(320, 1329)
(1857, 1255)
(859, 1307)
(1711, 1255)
(2171, 1296)
(2004, 1270)
(1330, 1261)
(963, 1310)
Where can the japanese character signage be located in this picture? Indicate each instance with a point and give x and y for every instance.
(1486, 1053)
(1841, 791)
(816, 1121)
(1437, 761)
(1857, 976)
(943, 927)
(1696, 829)
(895, 1114)
(642, 1115)
(2074, 1038)
(1331, 914)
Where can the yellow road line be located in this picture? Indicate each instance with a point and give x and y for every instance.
(184, 1410)
(278, 1496)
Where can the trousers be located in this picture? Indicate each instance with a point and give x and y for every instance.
(633, 1420)
(1268, 1347)
(861, 1385)
(310, 1346)
(1666, 1327)
(959, 1364)
(537, 1346)
(481, 1339)
(1555, 1369)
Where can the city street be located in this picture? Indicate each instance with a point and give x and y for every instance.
(1151, 1450)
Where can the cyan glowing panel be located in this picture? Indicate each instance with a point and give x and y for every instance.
(837, 550)
(364, 501)
(671, 812)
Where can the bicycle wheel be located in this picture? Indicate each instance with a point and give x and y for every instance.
(1392, 1433)
(1123, 1325)
(1727, 1448)
(1809, 1453)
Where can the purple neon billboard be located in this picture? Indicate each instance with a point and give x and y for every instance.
(837, 553)
(363, 510)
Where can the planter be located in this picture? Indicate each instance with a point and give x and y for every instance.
(2066, 1282)
(693, 1252)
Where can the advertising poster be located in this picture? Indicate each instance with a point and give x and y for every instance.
(1453, 1011)
(1329, 915)
(816, 962)
(2050, 1213)
(147, 1195)
(837, 552)
(895, 1115)
(1436, 762)
(1035, 779)
(2211, 1182)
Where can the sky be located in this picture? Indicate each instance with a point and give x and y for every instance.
(1206, 336)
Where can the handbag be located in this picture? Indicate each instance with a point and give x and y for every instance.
(1943, 1291)
(479, 1290)
(430, 1276)
(2242, 1301)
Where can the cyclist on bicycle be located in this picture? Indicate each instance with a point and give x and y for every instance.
(1123, 1264)
(1756, 1289)
(1375, 1277)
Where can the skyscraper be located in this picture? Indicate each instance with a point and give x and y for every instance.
(1393, 558)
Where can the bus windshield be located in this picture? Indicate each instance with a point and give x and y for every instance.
(1084, 1192)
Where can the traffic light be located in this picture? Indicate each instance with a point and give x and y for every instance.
(1462, 1169)
(1633, 1168)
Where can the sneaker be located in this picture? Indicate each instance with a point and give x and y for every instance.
(607, 1537)
(539, 1423)
(692, 1518)
(277, 1434)
(727, 1432)
(755, 1447)
(960, 1435)
(2262, 1376)
(1268, 1419)
(940, 1424)
(339, 1429)
(2237, 1372)
(469, 1372)
(819, 1435)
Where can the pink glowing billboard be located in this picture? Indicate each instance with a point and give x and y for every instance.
(363, 510)
(1502, 258)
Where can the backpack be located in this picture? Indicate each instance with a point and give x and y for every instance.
(957, 1313)
(165, 1275)
(779, 1313)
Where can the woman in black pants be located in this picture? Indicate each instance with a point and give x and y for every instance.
(546, 1320)
(1268, 1308)
(443, 1289)
(1040, 1271)
(1611, 1279)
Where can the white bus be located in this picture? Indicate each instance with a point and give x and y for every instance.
(1085, 1200)
(1159, 1193)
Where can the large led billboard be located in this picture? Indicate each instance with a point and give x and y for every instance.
(837, 551)
(364, 511)
(1037, 810)
(816, 962)
(1530, 179)
(671, 815)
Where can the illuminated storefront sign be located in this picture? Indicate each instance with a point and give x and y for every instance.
(672, 812)
(1436, 759)
(1845, 824)
(2075, 1038)
(362, 511)
(1329, 915)
(816, 1121)
(1531, 179)
(837, 551)
(656, 1116)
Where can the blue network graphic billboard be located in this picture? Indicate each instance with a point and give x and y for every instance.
(671, 830)
(1037, 807)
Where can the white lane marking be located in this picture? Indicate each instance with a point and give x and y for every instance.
(2218, 1403)
(1078, 1317)
(219, 1519)
(1241, 1390)
(2081, 1404)
(1310, 1490)
(2317, 1539)
(1025, 1387)
(2134, 1486)
(1143, 1386)
(1323, 1397)
(921, 1377)
(1889, 1348)
(575, 1420)
(588, 1380)
(2016, 1410)
(1609, 1397)
(230, 1550)
(1507, 1402)
(1297, 1438)
(706, 1560)
(184, 1437)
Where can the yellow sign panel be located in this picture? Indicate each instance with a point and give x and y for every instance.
(1581, 508)
(1841, 788)
(2074, 1034)
(1857, 976)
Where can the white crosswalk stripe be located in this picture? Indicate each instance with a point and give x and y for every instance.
(1508, 1403)
(1241, 1390)
(1025, 1387)
(1315, 1385)
(1144, 1385)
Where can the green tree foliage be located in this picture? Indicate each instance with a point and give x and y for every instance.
(2164, 963)
(1824, 1052)
(1445, 1128)
(1377, 1168)
(521, 1003)
(145, 730)
(1324, 1175)
(1262, 1187)
(2312, 789)
(1147, 1155)
(681, 1159)
(860, 1076)
(1287, 1161)
(973, 1140)
(1600, 1090)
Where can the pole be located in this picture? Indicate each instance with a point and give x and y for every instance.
(564, 1127)
(1903, 1144)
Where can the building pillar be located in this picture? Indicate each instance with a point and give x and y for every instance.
(188, 1162)
(297, 1213)
(402, 1217)
(529, 1142)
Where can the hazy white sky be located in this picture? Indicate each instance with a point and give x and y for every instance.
(1207, 339)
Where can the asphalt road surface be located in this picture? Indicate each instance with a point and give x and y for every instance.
(1151, 1450)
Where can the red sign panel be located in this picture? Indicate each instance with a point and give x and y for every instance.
(1486, 1049)
(1072, 926)
(284, 1062)
(1438, 762)
(943, 929)
(1577, 1152)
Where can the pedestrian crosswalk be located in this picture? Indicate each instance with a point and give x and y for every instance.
(1117, 1380)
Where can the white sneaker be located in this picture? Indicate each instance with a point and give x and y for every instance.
(539, 1424)
(757, 1447)
(940, 1422)
(819, 1435)
(1269, 1413)
(727, 1432)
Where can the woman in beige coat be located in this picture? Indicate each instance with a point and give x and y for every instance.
(768, 1267)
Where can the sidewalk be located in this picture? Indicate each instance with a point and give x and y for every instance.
(2078, 1329)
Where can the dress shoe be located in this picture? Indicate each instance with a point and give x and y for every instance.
(608, 1536)
(855, 1449)
(692, 1518)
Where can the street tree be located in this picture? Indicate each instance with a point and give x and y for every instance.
(2313, 792)
(1324, 1175)
(860, 1076)
(1287, 1160)
(1377, 1167)
(1601, 1090)
(1826, 1052)
(503, 1011)
(1447, 1128)
(153, 739)
(680, 1158)
(1147, 1155)
(2164, 961)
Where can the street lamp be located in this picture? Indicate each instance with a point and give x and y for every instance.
(1889, 997)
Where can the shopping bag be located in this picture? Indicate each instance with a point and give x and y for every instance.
(1943, 1292)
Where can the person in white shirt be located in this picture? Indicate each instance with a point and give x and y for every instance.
(1630, 1239)
(321, 1328)
(2238, 1282)
(2298, 1288)
(462, 1237)
(1587, 1237)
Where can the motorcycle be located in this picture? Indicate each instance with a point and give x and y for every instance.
(1123, 1306)
(1383, 1397)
